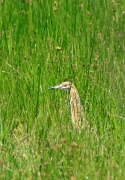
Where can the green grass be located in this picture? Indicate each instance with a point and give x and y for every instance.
(37, 140)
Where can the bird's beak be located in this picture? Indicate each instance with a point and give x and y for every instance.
(58, 87)
(55, 87)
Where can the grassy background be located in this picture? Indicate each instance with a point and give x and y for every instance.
(43, 43)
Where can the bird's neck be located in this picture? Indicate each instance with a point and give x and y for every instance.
(76, 107)
(74, 98)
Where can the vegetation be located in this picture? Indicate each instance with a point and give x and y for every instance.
(44, 43)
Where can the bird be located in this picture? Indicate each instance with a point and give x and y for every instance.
(77, 115)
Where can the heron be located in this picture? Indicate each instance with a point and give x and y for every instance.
(77, 115)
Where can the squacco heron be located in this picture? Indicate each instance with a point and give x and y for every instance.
(77, 115)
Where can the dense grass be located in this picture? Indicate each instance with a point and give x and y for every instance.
(42, 44)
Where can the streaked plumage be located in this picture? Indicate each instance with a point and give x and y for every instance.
(77, 115)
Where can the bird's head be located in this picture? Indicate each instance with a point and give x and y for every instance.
(63, 86)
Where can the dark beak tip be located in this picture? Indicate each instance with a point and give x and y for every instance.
(49, 88)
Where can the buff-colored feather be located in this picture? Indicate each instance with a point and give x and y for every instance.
(77, 115)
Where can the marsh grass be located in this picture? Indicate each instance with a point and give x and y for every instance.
(43, 44)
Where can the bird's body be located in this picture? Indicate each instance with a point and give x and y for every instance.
(77, 115)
